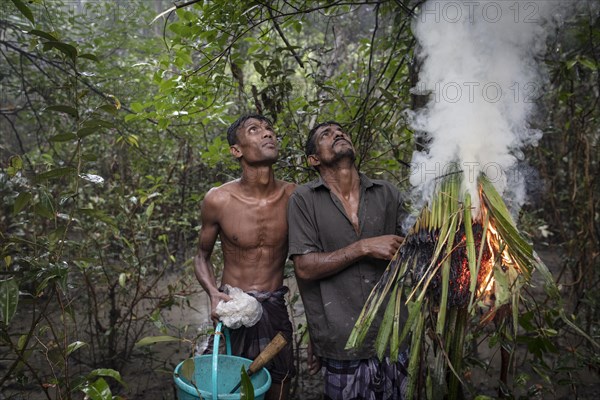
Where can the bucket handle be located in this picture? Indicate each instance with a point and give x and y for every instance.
(219, 330)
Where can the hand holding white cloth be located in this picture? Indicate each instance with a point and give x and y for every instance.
(242, 309)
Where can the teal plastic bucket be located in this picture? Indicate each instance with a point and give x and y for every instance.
(216, 374)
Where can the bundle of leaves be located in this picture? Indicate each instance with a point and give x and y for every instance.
(422, 245)
(455, 260)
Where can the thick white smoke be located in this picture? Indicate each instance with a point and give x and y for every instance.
(481, 66)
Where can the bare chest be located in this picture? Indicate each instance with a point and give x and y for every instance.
(253, 225)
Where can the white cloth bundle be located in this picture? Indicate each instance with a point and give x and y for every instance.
(242, 309)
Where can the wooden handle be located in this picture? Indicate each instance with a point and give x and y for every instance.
(274, 347)
(268, 353)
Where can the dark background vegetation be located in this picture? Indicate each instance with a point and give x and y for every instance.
(113, 128)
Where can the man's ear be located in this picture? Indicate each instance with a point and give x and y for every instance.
(313, 160)
(235, 151)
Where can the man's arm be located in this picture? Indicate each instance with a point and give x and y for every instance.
(310, 261)
(203, 266)
(316, 265)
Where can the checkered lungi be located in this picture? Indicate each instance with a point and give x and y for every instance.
(368, 379)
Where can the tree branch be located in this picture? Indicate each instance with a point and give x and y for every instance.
(280, 32)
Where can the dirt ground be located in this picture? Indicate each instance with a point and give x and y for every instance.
(154, 381)
(150, 375)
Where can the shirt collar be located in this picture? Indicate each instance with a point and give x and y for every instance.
(365, 182)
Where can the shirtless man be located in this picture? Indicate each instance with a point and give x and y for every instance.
(249, 216)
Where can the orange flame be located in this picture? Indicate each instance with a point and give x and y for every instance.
(497, 247)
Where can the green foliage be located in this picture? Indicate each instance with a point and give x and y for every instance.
(113, 129)
(246, 388)
(9, 298)
(226, 60)
(87, 240)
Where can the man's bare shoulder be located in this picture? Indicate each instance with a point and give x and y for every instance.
(219, 195)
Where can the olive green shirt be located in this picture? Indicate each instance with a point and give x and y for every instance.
(318, 223)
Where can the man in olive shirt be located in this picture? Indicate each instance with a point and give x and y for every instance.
(343, 230)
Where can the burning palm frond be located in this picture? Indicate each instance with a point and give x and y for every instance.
(449, 265)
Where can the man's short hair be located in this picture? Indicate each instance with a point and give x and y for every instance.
(233, 128)
(311, 147)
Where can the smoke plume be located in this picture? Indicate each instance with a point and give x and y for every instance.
(481, 67)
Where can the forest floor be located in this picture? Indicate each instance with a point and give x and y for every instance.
(154, 383)
(150, 375)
